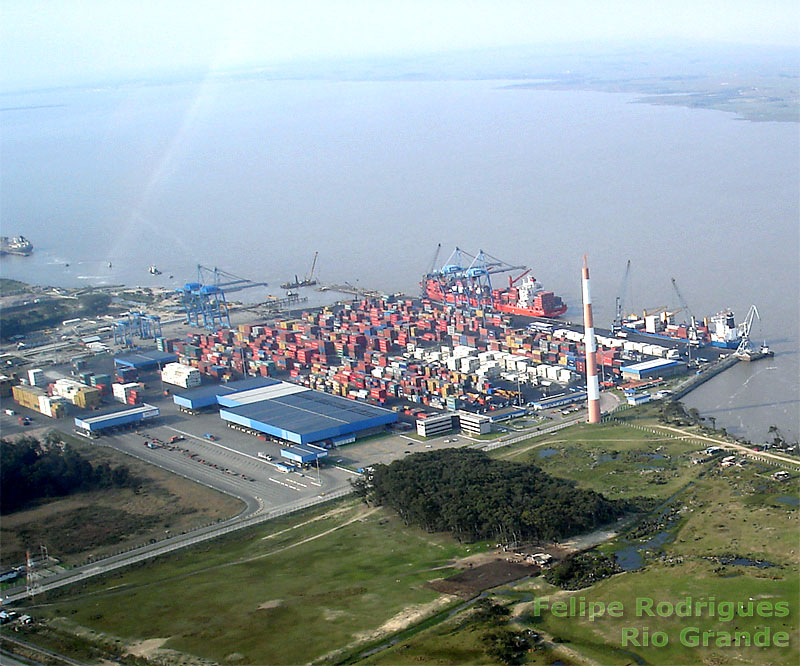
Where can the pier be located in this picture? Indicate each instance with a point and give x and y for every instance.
(703, 376)
(348, 288)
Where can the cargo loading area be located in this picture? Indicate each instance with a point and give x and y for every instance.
(305, 416)
(288, 412)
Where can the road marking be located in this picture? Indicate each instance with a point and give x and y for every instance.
(349, 471)
(222, 446)
(281, 483)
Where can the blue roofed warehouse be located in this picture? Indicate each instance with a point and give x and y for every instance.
(300, 415)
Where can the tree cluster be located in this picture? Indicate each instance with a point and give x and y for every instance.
(473, 496)
(31, 471)
(582, 571)
(51, 312)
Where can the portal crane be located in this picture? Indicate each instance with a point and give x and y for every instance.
(619, 303)
(744, 330)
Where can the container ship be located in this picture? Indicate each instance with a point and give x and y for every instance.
(720, 330)
(465, 280)
(18, 245)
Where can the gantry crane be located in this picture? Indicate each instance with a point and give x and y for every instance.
(204, 301)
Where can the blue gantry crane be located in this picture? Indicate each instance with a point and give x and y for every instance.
(136, 323)
(204, 301)
(467, 278)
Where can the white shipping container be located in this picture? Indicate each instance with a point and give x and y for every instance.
(44, 405)
(36, 377)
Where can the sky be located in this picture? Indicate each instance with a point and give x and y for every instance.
(44, 42)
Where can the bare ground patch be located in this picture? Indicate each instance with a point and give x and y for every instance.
(405, 618)
(272, 603)
(475, 579)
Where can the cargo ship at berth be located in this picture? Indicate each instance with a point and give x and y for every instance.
(466, 281)
(720, 330)
(18, 245)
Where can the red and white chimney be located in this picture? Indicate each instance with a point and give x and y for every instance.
(592, 383)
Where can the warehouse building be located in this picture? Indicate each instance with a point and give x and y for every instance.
(559, 400)
(655, 368)
(303, 455)
(302, 416)
(145, 360)
(206, 397)
(101, 424)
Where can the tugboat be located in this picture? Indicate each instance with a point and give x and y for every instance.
(18, 245)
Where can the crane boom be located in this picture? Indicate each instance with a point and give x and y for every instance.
(619, 303)
(435, 257)
(692, 332)
(313, 264)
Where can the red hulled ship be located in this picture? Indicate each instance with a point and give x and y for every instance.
(469, 285)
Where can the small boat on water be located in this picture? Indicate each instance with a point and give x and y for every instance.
(153, 270)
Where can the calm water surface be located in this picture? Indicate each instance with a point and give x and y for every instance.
(253, 176)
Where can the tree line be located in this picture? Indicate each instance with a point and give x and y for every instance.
(31, 471)
(51, 313)
(474, 497)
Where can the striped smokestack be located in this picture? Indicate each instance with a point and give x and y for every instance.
(592, 385)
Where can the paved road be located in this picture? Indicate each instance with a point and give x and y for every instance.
(231, 465)
(46, 656)
(782, 460)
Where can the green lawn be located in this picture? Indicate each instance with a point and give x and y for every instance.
(268, 595)
(614, 459)
(734, 511)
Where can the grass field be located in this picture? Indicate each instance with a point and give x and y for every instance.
(331, 583)
(723, 512)
(105, 521)
(619, 461)
(289, 592)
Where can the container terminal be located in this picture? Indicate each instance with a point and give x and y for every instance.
(418, 358)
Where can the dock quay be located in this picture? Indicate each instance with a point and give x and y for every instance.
(703, 376)
(348, 288)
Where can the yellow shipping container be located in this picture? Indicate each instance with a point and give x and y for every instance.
(88, 397)
(27, 396)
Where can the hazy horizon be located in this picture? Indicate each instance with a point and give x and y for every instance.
(70, 43)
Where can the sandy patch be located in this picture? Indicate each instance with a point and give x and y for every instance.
(406, 618)
(327, 514)
(147, 648)
(272, 603)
